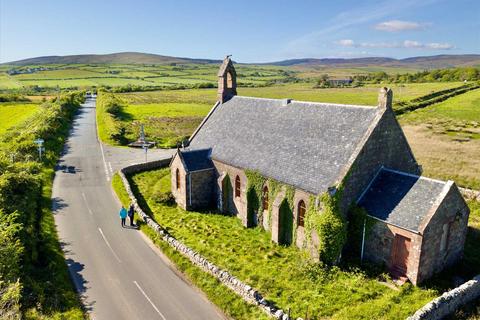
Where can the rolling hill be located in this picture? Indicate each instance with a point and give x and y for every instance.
(422, 62)
(113, 58)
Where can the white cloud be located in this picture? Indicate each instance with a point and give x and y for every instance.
(398, 25)
(312, 43)
(440, 46)
(346, 43)
(409, 44)
(412, 44)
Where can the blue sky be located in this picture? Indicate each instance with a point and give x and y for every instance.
(253, 31)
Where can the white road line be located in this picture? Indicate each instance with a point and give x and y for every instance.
(108, 244)
(104, 162)
(86, 203)
(146, 297)
(110, 167)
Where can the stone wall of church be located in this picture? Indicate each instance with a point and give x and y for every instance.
(236, 205)
(444, 235)
(386, 146)
(200, 187)
(180, 194)
(379, 247)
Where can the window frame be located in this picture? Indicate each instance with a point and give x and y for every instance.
(301, 213)
(177, 179)
(238, 186)
(265, 198)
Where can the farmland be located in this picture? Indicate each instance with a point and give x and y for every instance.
(161, 76)
(445, 138)
(13, 114)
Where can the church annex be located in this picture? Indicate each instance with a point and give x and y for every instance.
(420, 223)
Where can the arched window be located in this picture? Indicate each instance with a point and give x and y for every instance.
(265, 198)
(237, 187)
(177, 178)
(301, 213)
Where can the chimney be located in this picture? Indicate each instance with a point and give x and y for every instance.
(385, 98)
(227, 80)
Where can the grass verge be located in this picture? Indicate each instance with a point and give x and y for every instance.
(224, 298)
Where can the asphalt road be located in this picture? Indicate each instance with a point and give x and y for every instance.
(118, 274)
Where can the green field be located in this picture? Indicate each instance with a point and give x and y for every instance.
(282, 274)
(13, 114)
(445, 138)
(165, 123)
(117, 75)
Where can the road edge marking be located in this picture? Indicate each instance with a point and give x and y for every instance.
(108, 244)
(148, 299)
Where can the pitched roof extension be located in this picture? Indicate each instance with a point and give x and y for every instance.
(303, 144)
(197, 160)
(401, 199)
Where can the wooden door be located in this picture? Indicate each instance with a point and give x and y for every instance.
(401, 251)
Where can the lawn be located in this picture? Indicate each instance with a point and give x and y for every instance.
(283, 275)
(15, 113)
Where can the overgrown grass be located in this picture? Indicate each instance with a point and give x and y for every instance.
(445, 138)
(283, 275)
(216, 292)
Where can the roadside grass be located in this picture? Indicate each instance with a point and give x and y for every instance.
(50, 290)
(217, 293)
(284, 275)
(13, 114)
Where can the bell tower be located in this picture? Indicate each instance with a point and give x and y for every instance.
(227, 81)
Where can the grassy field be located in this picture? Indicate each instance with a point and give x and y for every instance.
(283, 275)
(115, 75)
(15, 113)
(445, 138)
(165, 123)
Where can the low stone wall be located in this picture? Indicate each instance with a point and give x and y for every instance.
(245, 291)
(470, 194)
(450, 301)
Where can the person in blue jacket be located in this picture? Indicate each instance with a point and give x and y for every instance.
(123, 215)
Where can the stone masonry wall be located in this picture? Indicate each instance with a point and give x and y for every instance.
(200, 186)
(450, 301)
(386, 146)
(379, 247)
(453, 212)
(245, 291)
(181, 193)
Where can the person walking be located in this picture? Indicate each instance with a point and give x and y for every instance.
(131, 213)
(123, 215)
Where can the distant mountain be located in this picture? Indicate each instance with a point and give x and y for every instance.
(118, 58)
(426, 62)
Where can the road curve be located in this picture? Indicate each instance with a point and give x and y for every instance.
(116, 272)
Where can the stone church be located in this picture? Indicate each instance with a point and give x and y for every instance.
(420, 223)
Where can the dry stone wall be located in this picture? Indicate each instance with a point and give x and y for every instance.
(245, 291)
(450, 301)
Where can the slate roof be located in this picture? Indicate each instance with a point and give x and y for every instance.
(302, 144)
(197, 159)
(401, 199)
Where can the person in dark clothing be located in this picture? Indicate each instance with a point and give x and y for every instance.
(123, 215)
(131, 213)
